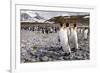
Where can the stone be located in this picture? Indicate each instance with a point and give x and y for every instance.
(33, 60)
(60, 58)
(45, 58)
(48, 48)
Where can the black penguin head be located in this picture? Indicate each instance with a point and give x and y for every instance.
(67, 24)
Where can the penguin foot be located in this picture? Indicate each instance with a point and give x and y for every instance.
(73, 49)
(67, 54)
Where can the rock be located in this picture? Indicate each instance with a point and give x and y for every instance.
(45, 58)
(50, 59)
(37, 59)
(33, 60)
(48, 48)
(23, 52)
(60, 58)
(62, 53)
(22, 61)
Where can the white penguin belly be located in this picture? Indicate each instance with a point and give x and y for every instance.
(74, 40)
(64, 41)
(85, 34)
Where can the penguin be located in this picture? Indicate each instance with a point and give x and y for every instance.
(63, 35)
(85, 33)
(81, 30)
(74, 38)
(29, 28)
(68, 30)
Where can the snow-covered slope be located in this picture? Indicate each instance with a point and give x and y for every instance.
(28, 17)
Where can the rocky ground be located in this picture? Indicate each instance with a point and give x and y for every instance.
(38, 47)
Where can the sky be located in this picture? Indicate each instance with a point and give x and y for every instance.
(50, 14)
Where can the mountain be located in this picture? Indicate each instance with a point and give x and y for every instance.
(38, 16)
(84, 19)
(28, 17)
(25, 17)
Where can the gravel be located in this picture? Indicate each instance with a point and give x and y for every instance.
(37, 47)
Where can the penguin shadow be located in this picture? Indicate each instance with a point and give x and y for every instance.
(8, 70)
(73, 50)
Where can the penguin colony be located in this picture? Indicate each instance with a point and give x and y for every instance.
(69, 38)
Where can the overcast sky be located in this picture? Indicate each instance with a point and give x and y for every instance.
(50, 14)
